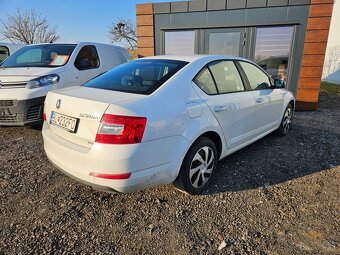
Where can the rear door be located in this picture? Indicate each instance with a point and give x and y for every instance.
(269, 101)
(221, 87)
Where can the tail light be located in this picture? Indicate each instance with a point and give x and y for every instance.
(44, 116)
(116, 129)
(111, 176)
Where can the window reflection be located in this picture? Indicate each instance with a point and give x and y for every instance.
(227, 43)
(272, 50)
(180, 43)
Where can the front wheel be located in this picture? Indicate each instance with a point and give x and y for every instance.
(286, 121)
(198, 167)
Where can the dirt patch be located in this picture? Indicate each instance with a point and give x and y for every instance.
(279, 195)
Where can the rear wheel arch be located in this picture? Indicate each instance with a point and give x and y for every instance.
(216, 139)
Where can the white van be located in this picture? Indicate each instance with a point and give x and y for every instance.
(7, 49)
(31, 72)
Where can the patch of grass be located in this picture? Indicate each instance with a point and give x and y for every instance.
(330, 88)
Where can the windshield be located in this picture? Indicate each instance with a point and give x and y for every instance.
(43, 55)
(139, 76)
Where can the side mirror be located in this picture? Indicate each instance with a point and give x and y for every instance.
(279, 84)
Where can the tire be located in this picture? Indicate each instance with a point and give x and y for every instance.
(286, 121)
(198, 167)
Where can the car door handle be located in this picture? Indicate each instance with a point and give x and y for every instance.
(259, 100)
(220, 108)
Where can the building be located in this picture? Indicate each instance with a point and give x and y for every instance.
(288, 38)
(331, 68)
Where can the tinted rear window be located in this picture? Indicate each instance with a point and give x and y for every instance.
(139, 76)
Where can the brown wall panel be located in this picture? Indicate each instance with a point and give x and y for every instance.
(322, 1)
(144, 20)
(307, 94)
(146, 42)
(319, 23)
(144, 9)
(145, 30)
(313, 60)
(312, 83)
(146, 52)
(313, 72)
(321, 10)
(315, 48)
(317, 36)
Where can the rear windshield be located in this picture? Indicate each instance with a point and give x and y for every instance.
(40, 55)
(139, 76)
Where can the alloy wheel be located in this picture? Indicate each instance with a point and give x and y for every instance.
(201, 167)
(287, 119)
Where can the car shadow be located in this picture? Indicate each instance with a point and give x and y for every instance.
(274, 159)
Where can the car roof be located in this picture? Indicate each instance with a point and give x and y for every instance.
(80, 43)
(192, 58)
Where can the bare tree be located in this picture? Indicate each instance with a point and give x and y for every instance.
(28, 28)
(124, 31)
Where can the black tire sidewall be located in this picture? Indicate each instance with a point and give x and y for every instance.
(281, 130)
(183, 180)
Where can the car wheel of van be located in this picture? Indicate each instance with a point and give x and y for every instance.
(286, 121)
(198, 167)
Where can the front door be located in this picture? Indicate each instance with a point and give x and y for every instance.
(228, 41)
(269, 101)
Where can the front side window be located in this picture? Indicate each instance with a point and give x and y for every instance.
(138, 76)
(4, 53)
(226, 76)
(41, 55)
(87, 58)
(257, 78)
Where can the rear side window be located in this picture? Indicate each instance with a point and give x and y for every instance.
(139, 76)
(226, 76)
(205, 81)
(257, 78)
(4, 53)
(87, 58)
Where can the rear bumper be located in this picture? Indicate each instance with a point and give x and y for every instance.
(150, 163)
(21, 112)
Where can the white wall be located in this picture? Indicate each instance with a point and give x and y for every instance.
(331, 69)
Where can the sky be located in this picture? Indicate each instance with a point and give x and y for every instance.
(77, 20)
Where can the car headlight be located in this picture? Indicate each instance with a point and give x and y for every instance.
(43, 81)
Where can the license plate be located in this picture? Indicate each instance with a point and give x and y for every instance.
(63, 121)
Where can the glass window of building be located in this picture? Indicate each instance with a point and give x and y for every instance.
(179, 42)
(225, 43)
(272, 50)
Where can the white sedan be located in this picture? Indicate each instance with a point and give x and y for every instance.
(162, 120)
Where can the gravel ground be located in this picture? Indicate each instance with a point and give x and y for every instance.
(280, 195)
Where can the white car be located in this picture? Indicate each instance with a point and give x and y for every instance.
(32, 71)
(162, 120)
(7, 49)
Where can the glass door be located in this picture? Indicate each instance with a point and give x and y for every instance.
(228, 41)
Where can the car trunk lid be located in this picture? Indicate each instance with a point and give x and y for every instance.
(82, 106)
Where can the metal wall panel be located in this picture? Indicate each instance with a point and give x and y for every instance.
(179, 7)
(298, 2)
(277, 3)
(216, 5)
(159, 8)
(197, 5)
(236, 4)
(256, 3)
